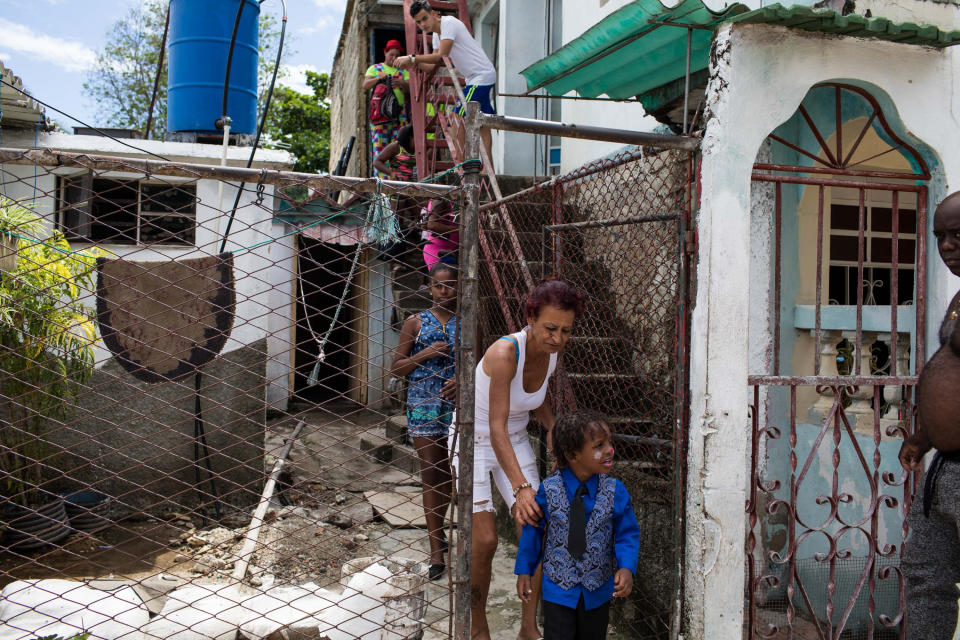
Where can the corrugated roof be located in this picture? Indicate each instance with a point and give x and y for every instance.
(628, 52)
(829, 21)
(632, 52)
(17, 107)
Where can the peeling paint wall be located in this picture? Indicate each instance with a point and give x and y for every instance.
(759, 75)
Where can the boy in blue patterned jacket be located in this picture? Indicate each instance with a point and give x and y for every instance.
(592, 537)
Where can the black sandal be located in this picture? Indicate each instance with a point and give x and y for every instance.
(436, 571)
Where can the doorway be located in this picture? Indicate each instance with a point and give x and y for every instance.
(323, 269)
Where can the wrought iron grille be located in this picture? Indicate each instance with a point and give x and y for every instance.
(828, 499)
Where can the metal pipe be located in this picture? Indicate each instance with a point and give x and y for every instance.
(624, 136)
(894, 277)
(861, 255)
(556, 181)
(466, 368)
(549, 97)
(778, 249)
(686, 81)
(830, 381)
(834, 182)
(818, 329)
(53, 158)
(840, 172)
(156, 78)
(592, 224)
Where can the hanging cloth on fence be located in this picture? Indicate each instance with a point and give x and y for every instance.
(382, 228)
(164, 320)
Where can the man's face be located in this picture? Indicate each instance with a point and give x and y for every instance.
(391, 56)
(946, 229)
(426, 20)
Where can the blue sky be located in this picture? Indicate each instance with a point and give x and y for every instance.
(51, 44)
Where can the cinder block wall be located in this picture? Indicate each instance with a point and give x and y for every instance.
(133, 440)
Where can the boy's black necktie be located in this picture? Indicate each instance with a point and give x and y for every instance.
(577, 537)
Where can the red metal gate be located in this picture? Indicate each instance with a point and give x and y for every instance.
(827, 497)
(615, 229)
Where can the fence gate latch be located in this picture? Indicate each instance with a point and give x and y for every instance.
(690, 241)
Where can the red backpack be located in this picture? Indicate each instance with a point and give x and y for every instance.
(384, 106)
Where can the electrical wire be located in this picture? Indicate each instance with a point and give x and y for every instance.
(263, 122)
(233, 42)
(156, 78)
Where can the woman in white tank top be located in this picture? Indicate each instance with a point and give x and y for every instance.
(511, 381)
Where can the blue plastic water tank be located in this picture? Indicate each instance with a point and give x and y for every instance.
(199, 37)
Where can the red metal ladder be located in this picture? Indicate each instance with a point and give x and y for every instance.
(441, 87)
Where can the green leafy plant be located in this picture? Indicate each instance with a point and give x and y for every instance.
(46, 343)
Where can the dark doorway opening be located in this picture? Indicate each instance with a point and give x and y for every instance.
(323, 272)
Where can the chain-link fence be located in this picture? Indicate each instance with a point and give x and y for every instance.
(616, 230)
(204, 405)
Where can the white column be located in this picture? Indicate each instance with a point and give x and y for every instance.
(719, 427)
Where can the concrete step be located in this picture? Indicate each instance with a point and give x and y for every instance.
(380, 447)
(396, 429)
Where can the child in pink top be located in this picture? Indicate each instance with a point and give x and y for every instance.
(440, 232)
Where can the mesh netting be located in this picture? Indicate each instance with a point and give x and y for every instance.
(203, 425)
(614, 229)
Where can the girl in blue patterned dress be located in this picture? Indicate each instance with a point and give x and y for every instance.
(425, 355)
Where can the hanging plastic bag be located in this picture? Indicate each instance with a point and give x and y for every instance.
(383, 229)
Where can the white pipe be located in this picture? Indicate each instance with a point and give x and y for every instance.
(223, 163)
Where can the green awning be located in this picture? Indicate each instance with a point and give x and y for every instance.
(629, 54)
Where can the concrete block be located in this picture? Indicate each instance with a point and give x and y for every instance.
(133, 440)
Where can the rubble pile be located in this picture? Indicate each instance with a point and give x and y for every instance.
(296, 544)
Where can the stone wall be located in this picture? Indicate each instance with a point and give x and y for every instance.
(134, 441)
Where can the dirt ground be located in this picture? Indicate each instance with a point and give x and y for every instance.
(326, 523)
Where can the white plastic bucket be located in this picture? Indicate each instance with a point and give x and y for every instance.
(402, 592)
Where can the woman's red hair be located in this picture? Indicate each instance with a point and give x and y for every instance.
(554, 293)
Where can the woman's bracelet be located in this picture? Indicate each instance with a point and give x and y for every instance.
(525, 485)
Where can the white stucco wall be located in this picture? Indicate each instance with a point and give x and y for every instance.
(264, 276)
(523, 41)
(758, 77)
(578, 16)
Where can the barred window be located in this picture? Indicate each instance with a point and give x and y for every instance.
(123, 211)
(877, 248)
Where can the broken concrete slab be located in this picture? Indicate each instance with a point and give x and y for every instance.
(398, 509)
(359, 512)
(398, 477)
(40, 608)
(152, 590)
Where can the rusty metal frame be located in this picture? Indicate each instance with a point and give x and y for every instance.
(837, 162)
(836, 171)
(551, 246)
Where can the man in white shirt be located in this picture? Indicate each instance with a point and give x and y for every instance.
(451, 39)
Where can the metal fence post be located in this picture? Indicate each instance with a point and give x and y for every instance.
(467, 362)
